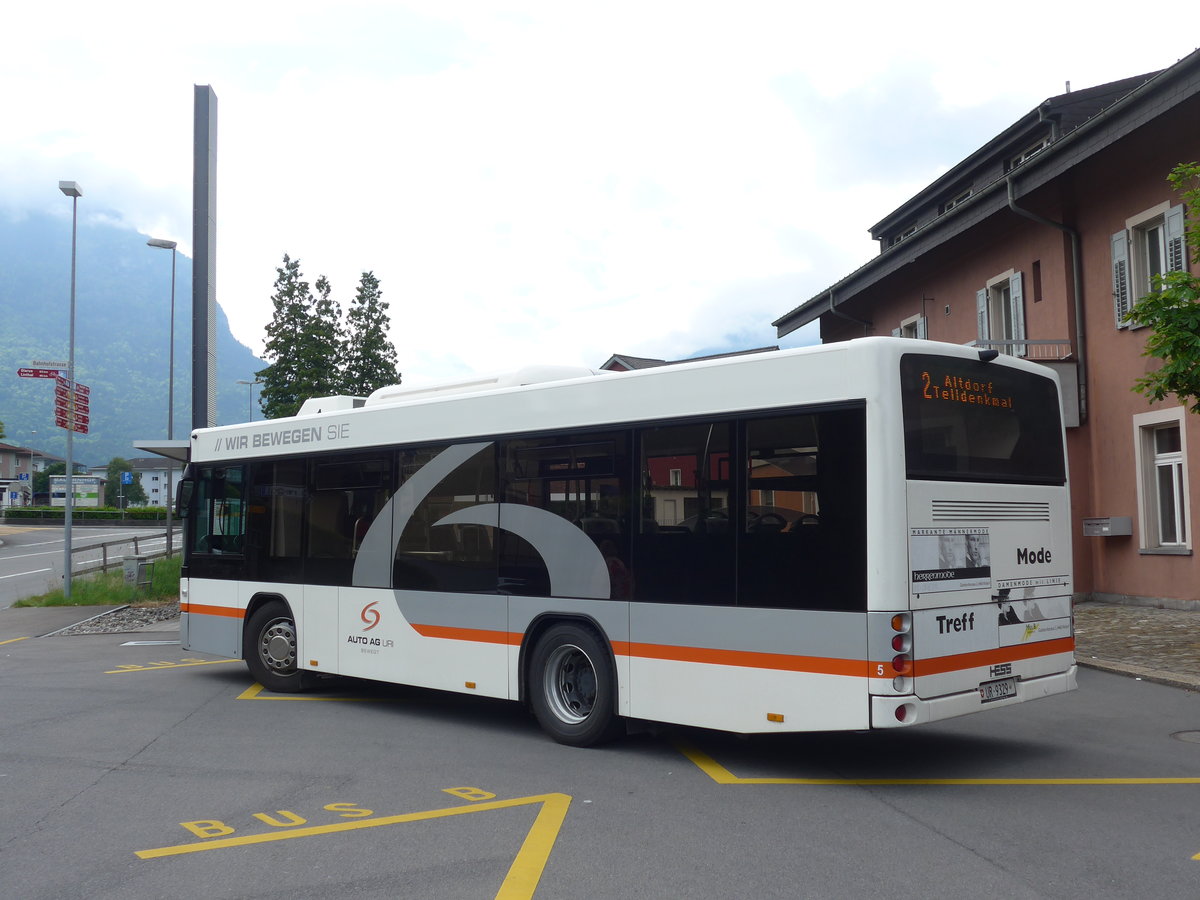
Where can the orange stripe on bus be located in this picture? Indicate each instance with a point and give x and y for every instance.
(202, 610)
(749, 659)
(944, 664)
(478, 635)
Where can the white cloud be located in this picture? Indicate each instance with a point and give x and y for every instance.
(548, 183)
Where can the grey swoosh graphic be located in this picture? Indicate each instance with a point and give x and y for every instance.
(575, 564)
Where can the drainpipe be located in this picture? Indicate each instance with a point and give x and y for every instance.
(866, 326)
(1077, 274)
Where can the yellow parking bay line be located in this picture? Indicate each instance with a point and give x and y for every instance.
(523, 875)
(14, 640)
(722, 775)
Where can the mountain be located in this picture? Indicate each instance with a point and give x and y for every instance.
(122, 321)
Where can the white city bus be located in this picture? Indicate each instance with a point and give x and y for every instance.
(868, 534)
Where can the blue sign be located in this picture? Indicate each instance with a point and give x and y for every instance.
(23, 476)
(126, 478)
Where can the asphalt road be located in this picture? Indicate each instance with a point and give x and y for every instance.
(31, 557)
(131, 771)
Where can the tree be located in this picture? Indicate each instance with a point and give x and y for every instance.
(304, 343)
(370, 357)
(1172, 311)
(41, 480)
(1, 429)
(123, 495)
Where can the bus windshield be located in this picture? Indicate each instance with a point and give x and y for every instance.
(966, 420)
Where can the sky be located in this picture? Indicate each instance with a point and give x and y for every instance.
(535, 182)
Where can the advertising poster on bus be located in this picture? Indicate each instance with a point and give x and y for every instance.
(950, 559)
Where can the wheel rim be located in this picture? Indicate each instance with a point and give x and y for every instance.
(569, 684)
(277, 646)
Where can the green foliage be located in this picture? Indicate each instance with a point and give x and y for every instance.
(1172, 311)
(312, 353)
(370, 360)
(110, 589)
(1, 429)
(128, 494)
(87, 513)
(41, 480)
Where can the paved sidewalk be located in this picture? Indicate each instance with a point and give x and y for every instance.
(1161, 645)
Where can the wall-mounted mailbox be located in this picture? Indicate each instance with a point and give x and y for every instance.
(1108, 526)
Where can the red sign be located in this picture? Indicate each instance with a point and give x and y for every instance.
(82, 390)
(38, 373)
(80, 427)
(81, 404)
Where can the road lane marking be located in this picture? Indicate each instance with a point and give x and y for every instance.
(14, 640)
(722, 775)
(154, 666)
(23, 574)
(523, 875)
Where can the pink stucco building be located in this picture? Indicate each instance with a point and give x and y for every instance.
(1037, 244)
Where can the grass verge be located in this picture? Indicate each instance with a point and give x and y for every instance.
(110, 589)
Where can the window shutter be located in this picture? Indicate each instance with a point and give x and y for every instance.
(1016, 300)
(922, 329)
(1120, 277)
(981, 312)
(897, 332)
(1173, 230)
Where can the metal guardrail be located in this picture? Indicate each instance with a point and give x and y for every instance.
(109, 558)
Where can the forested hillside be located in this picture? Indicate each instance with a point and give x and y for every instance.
(122, 321)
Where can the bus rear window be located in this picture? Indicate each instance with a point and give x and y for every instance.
(966, 420)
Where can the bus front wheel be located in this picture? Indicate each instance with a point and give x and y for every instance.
(271, 647)
(573, 686)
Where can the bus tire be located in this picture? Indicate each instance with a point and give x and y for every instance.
(573, 686)
(270, 647)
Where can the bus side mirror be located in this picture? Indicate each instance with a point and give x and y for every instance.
(183, 498)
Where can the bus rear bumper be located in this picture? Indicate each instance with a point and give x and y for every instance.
(905, 710)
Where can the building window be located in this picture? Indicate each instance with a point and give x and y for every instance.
(1025, 155)
(1150, 244)
(1160, 450)
(902, 235)
(957, 200)
(913, 327)
(1001, 313)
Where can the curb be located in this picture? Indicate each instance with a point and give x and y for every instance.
(1156, 676)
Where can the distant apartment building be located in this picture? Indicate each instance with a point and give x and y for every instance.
(1037, 244)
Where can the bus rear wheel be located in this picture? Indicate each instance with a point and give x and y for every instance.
(271, 647)
(573, 686)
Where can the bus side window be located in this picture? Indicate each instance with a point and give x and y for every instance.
(447, 557)
(683, 552)
(582, 478)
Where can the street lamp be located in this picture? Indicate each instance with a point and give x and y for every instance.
(169, 245)
(72, 190)
(250, 396)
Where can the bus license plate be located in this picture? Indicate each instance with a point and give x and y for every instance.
(997, 690)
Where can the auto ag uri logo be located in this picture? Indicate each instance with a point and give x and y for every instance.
(370, 615)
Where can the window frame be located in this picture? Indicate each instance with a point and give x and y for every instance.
(989, 313)
(1131, 278)
(1148, 461)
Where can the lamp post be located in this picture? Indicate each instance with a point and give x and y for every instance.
(72, 190)
(169, 245)
(250, 396)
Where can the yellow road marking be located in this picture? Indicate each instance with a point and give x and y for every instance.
(523, 875)
(722, 775)
(256, 692)
(14, 640)
(151, 667)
